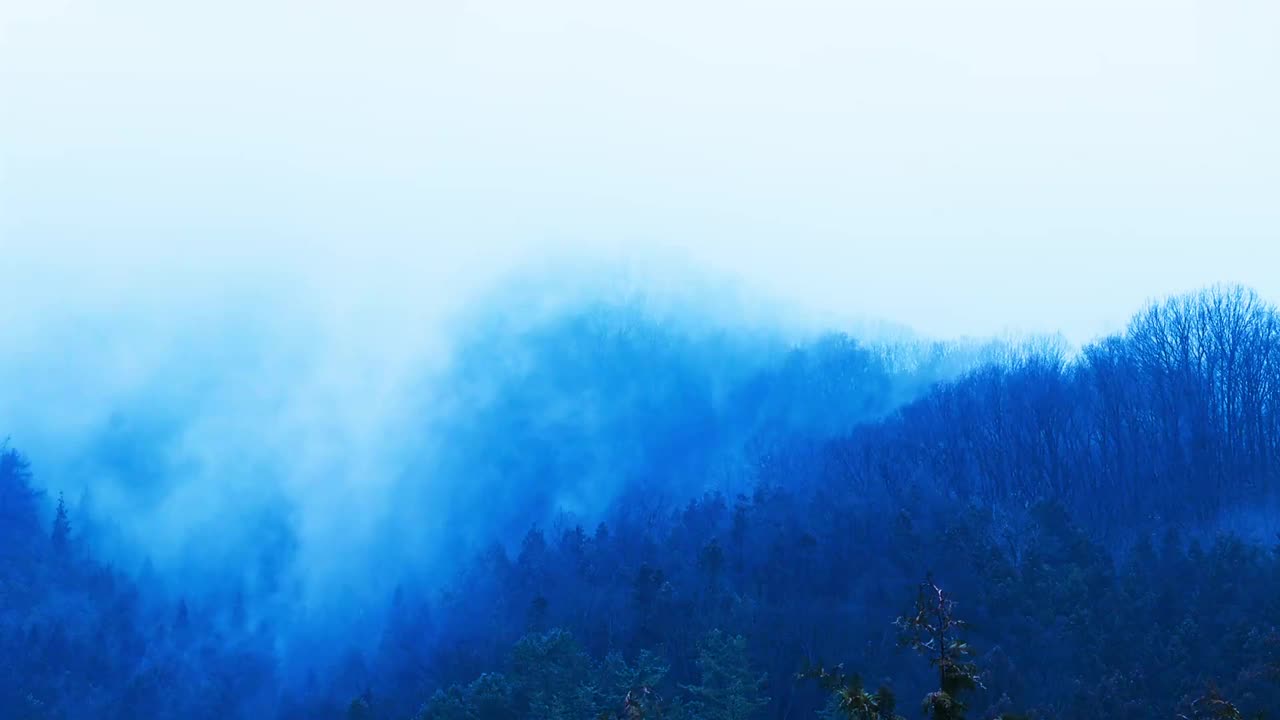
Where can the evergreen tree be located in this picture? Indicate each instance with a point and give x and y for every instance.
(450, 704)
(933, 630)
(61, 534)
(549, 671)
(849, 699)
(728, 689)
(19, 508)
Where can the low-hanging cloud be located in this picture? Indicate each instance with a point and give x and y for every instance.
(261, 443)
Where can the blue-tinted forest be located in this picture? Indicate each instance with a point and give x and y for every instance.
(653, 519)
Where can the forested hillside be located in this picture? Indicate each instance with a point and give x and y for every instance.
(702, 527)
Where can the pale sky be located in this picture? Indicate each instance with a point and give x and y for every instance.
(958, 167)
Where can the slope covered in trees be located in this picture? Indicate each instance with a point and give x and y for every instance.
(1100, 519)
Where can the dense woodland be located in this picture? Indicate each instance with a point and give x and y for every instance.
(1032, 532)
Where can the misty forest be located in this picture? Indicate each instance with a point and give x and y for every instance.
(614, 511)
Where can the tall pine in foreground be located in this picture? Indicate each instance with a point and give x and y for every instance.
(933, 630)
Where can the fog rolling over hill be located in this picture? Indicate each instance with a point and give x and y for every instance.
(265, 449)
(251, 516)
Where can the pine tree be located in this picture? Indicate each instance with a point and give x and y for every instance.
(450, 704)
(620, 679)
(628, 691)
(729, 690)
(640, 704)
(849, 700)
(61, 534)
(548, 671)
(933, 630)
(19, 502)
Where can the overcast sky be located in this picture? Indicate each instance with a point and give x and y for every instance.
(961, 167)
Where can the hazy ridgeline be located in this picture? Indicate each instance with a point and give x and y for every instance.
(268, 518)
